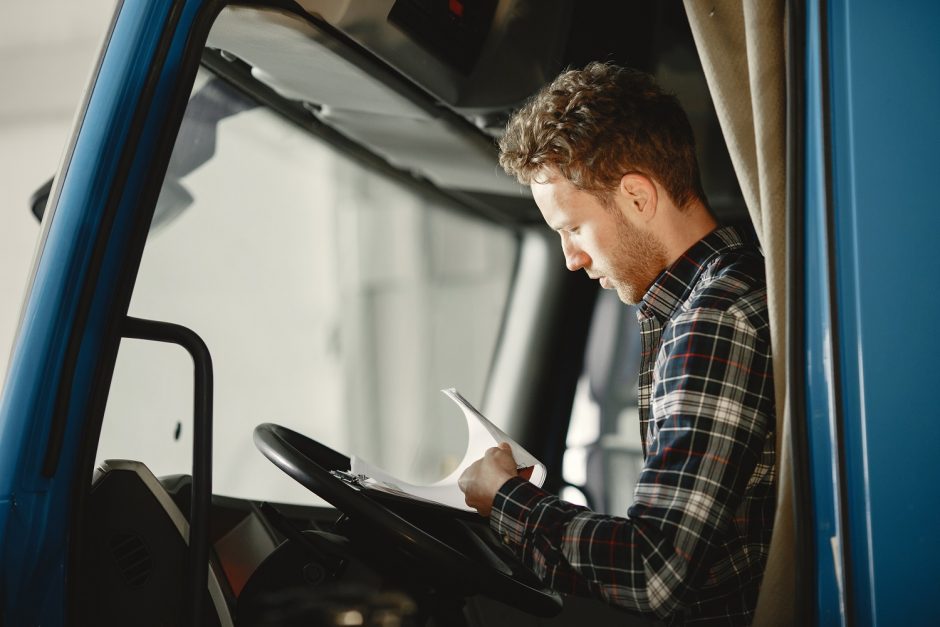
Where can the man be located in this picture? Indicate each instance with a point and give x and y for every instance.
(611, 163)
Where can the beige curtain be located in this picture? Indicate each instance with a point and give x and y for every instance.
(741, 45)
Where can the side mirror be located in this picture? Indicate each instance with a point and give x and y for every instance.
(174, 199)
(212, 103)
(39, 199)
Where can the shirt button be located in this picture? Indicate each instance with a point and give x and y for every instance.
(505, 538)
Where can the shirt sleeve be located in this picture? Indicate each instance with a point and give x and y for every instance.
(709, 421)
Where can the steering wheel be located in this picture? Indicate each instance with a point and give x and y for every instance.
(447, 550)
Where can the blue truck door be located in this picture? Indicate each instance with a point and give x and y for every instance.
(69, 329)
(872, 308)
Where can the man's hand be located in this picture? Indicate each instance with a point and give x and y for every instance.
(484, 477)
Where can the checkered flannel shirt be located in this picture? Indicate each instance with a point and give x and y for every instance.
(693, 546)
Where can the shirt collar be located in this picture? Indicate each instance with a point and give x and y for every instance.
(675, 283)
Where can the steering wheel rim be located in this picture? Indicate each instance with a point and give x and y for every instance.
(309, 463)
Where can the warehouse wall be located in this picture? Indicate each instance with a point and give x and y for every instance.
(47, 52)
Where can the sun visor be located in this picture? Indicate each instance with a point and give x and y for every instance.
(301, 62)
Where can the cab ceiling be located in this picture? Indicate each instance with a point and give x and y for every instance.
(401, 99)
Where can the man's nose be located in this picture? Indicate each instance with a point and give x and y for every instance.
(575, 258)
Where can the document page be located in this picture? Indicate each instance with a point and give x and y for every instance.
(483, 435)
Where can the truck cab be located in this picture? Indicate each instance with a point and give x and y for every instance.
(280, 229)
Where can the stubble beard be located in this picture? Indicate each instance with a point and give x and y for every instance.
(636, 262)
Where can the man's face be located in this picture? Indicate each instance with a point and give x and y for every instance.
(600, 239)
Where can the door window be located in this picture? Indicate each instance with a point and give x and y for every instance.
(604, 454)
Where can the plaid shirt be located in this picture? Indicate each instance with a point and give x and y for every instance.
(694, 544)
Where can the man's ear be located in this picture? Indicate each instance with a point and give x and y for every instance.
(640, 194)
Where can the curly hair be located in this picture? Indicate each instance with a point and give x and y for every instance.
(596, 124)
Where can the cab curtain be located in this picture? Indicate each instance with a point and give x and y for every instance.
(741, 45)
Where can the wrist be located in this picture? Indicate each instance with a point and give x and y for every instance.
(499, 481)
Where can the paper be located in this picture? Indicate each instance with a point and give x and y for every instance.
(483, 435)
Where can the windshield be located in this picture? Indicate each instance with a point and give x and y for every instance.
(333, 301)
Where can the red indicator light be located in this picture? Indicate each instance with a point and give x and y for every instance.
(456, 7)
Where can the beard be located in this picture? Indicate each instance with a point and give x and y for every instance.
(636, 262)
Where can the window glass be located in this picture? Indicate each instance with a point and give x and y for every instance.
(604, 455)
(333, 301)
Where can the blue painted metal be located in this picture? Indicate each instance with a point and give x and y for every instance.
(885, 64)
(820, 389)
(35, 510)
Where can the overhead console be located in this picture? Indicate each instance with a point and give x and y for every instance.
(452, 30)
(480, 56)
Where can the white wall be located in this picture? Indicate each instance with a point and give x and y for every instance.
(47, 52)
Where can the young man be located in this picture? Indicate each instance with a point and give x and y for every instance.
(611, 163)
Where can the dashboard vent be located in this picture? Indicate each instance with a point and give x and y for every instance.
(132, 556)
